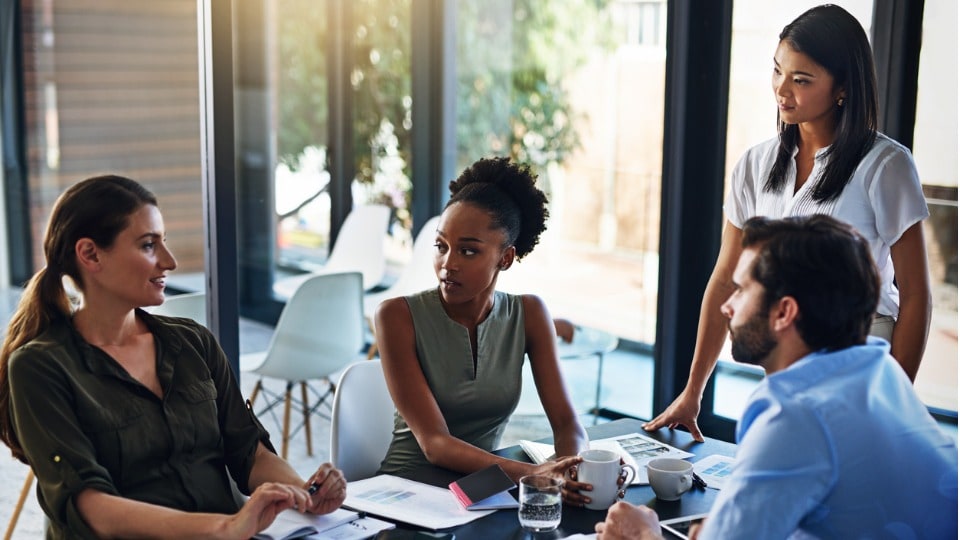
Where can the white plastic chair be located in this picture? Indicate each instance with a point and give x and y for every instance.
(320, 332)
(359, 248)
(416, 276)
(189, 305)
(361, 425)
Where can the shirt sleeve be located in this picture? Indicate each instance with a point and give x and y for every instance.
(239, 425)
(61, 455)
(784, 468)
(896, 195)
(741, 201)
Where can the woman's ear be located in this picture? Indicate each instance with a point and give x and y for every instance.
(88, 254)
(506, 260)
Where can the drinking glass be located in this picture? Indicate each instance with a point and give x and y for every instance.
(540, 503)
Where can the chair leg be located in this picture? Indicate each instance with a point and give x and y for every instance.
(286, 421)
(373, 350)
(256, 391)
(306, 417)
(19, 507)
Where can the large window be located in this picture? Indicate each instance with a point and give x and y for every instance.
(113, 88)
(935, 150)
(575, 89)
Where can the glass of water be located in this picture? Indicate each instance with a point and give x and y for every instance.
(540, 503)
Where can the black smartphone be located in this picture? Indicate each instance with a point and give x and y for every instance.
(406, 534)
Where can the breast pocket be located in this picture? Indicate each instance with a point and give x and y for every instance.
(200, 414)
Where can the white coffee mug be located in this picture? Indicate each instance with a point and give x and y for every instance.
(602, 469)
(669, 477)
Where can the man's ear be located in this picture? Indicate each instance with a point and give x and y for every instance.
(784, 313)
(88, 254)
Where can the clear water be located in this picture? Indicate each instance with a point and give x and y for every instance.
(540, 512)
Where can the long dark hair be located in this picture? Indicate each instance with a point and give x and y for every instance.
(97, 208)
(834, 39)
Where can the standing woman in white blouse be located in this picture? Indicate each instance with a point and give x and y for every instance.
(829, 159)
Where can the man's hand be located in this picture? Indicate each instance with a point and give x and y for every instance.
(628, 522)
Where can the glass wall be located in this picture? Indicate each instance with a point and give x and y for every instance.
(113, 88)
(935, 151)
(378, 67)
(575, 89)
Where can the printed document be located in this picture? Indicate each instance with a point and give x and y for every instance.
(411, 502)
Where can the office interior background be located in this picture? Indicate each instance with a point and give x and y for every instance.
(259, 124)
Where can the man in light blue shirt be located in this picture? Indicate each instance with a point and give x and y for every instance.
(834, 443)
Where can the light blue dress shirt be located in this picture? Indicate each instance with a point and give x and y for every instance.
(838, 445)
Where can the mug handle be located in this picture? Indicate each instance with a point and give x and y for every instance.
(627, 478)
(686, 482)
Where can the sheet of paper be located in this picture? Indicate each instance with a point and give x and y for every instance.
(411, 502)
(714, 469)
(357, 529)
(290, 520)
(634, 448)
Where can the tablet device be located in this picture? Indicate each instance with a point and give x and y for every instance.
(679, 527)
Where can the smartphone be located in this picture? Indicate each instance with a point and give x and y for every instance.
(406, 534)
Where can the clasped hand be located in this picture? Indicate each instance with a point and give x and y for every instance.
(271, 498)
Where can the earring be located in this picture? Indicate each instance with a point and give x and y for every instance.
(840, 102)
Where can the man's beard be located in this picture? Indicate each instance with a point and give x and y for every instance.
(752, 341)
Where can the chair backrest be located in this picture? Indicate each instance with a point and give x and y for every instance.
(359, 246)
(361, 425)
(417, 275)
(320, 329)
(189, 305)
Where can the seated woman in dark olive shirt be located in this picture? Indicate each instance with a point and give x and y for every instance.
(133, 423)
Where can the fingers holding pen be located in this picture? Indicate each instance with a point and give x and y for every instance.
(327, 489)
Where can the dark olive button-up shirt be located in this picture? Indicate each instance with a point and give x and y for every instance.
(84, 422)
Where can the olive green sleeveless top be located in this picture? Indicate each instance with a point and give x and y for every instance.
(476, 403)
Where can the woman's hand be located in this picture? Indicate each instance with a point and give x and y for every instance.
(268, 500)
(330, 492)
(682, 412)
(564, 469)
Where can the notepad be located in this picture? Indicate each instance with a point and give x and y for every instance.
(290, 524)
(485, 489)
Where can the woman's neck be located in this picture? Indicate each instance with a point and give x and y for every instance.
(102, 326)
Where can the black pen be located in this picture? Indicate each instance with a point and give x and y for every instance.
(314, 487)
(699, 482)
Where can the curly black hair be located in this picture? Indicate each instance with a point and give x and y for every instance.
(508, 192)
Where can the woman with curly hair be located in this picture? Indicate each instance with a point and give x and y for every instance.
(452, 355)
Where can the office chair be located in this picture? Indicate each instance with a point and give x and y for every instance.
(189, 305)
(320, 332)
(361, 424)
(359, 248)
(416, 276)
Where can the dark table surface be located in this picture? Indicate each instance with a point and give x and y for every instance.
(503, 524)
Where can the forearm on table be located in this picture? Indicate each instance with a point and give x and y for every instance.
(455, 454)
(910, 332)
(111, 516)
(269, 467)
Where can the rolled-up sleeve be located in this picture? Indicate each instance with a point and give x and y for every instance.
(62, 457)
